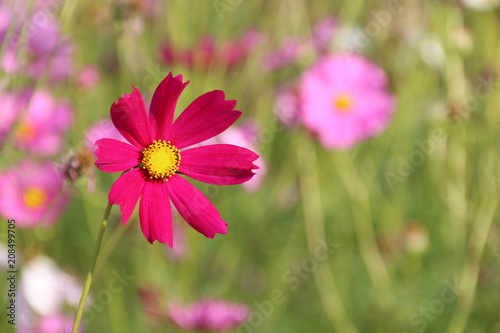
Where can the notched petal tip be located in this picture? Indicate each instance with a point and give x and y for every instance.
(130, 118)
(163, 104)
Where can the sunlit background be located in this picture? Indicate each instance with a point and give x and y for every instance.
(375, 205)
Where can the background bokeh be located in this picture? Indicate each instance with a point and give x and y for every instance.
(399, 233)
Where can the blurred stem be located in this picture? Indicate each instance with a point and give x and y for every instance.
(363, 226)
(454, 231)
(470, 271)
(90, 273)
(350, 10)
(314, 223)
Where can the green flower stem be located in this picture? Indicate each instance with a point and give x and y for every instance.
(484, 215)
(90, 273)
(314, 223)
(363, 226)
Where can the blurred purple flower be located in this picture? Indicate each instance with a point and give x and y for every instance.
(100, 130)
(344, 100)
(286, 54)
(88, 77)
(4, 21)
(32, 193)
(209, 53)
(287, 105)
(10, 110)
(211, 315)
(35, 28)
(41, 127)
(235, 52)
(323, 33)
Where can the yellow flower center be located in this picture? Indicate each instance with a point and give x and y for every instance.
(343, 103)
(35, 197)
(161, 159)
(25, 132)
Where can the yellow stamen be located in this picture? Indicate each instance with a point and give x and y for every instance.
(25, 132)
(343, 103)
(35, 197)
(161, 159)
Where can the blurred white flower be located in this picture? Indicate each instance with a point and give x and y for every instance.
(46, 287)
(481, 4)
(432, 51)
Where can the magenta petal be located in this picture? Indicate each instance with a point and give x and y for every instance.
(195, 208)
(207, 116)
(220, 164)
(155, 213)
(126, 192)
(163, 104)
(116, 156)
(131, 119)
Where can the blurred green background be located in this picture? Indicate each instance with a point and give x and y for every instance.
(410, 216)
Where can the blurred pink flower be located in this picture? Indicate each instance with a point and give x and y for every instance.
(181, 249)
(287, 105)
(245, 135)
(99, 130)
(287, 53)
(41, 127)
(88, 77)
(150, 298)
(5, 15)
(344, 100)
(209, 53)
(235, 52)
(10, 110)
(201, 56)
(322, 34)
(55, 323)
(211, 315)
(37, 29)
(32, 193)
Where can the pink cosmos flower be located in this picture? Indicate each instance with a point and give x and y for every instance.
(32, 193)
(40, 130)
(211, 315)
(344, 100)
(155, 159)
